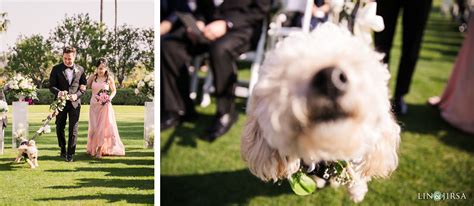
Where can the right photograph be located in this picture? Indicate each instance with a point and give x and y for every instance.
(326, 102)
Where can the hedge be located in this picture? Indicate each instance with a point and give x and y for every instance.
(123, 97)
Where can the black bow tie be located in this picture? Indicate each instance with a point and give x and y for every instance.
(69, 68)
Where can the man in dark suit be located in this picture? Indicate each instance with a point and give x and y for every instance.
(229, 26)
(68, 77)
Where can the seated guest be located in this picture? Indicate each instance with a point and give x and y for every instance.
(228, 28)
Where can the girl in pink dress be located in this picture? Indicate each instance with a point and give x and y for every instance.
(103, 137)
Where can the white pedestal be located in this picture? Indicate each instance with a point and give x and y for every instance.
(149, 134)
(2, 139)
(20, 121)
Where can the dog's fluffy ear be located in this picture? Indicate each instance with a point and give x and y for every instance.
(383, 158)
(263, 161)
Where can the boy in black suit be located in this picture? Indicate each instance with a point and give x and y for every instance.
(69, 79)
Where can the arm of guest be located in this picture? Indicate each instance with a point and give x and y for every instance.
(113, 90)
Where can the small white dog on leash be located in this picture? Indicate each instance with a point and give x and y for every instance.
(28, 150)
(322, 97)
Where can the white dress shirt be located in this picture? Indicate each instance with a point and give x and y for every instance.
(69, 74)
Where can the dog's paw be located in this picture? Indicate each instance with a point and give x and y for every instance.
(357, 191)
(357, 198)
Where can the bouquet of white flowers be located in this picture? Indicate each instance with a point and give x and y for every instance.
(146, 87)
(21, 87)
(55, 107)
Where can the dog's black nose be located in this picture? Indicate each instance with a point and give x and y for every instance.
(331, 82)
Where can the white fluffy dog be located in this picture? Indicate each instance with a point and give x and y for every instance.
(322, 96)
(28, 150)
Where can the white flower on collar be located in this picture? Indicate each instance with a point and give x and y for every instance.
(368, 21)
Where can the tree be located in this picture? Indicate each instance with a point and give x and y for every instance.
(33, 57)
(147, 47)
(127, 53)
(3, 28)
(85, 35)
(4, 22)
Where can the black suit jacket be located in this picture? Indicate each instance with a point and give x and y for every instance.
(58, 82)
(241, 13)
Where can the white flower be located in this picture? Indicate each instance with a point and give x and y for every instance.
(137, 91)
(151, 83)
(140, 84)
(47, 129)
(40, 130)
(147, 78)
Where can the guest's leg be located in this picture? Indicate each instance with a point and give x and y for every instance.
(383, 40)
(415, 15)
(175, 76)
(224, 53)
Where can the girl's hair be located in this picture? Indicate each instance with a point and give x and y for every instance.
(102, 60)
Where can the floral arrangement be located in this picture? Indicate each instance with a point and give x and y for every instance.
(22, 88)
(55, 107)
(103, 96)
(333, 171)
(146, 87)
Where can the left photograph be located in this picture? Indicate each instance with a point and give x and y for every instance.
(76, 102)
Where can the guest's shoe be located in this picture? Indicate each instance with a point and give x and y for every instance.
(399, 106)
(221, 126)
(69, 158)
(190, 117)
(172, 120)
(63, 155)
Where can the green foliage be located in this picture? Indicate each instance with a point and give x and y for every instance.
(124, 49)
(86, 35)
(148, 55)
(126, 52)
(126, 180)
(32, 57)
(123, 97)
(302, 184)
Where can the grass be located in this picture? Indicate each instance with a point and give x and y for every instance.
(87, 181)
(433, 155)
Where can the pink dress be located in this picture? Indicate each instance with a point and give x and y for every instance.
(457, 102)
(103, 132)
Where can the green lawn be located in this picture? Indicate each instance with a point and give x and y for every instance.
(433, 155)
(87, 181)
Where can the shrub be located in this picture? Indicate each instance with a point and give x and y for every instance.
(123, 97)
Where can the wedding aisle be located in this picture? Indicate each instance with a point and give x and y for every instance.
(118, 180)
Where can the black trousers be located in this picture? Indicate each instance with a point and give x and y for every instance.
(73, 114)
(176, 54)
(415, 15)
